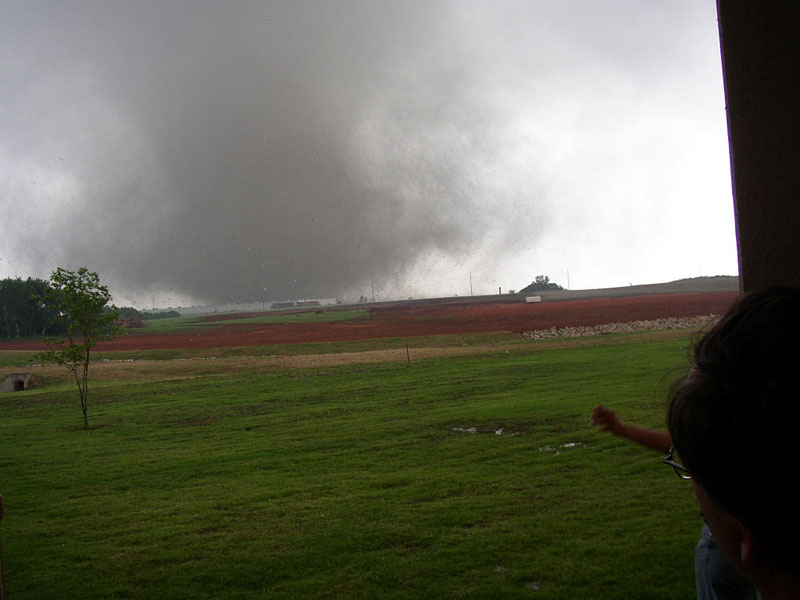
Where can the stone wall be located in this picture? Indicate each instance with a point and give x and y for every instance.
(702, 321)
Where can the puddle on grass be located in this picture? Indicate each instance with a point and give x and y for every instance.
(532, 585)
(500, 431)
(557, 449)
(464, 429)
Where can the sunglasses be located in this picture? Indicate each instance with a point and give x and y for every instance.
(679, 469)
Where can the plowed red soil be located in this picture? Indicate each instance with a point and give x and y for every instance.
(405, 320)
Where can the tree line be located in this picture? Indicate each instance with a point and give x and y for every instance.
(25, 313)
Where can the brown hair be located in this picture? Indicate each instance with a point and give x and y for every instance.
(734, 418)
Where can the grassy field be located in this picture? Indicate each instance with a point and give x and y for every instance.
(23, 359)
(454, 477)
(194, 322)
(307, 316)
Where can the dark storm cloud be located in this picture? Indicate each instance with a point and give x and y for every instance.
(224, 149)
(246, 151)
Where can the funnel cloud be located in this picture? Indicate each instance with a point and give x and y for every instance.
(219, 152)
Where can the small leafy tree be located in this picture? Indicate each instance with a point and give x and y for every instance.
(79, 301)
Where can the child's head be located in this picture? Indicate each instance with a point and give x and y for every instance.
(733, 421)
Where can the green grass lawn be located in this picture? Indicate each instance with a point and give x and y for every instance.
(472, 477)
(193, 322)
(306, 316)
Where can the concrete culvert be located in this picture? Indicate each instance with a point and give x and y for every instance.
(15, 382)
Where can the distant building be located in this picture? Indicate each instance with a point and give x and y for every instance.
(276, 305)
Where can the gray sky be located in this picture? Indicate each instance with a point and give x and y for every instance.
(241, 151)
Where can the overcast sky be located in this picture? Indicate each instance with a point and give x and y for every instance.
(199, 151)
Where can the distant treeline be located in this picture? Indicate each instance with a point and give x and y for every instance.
(23, 312)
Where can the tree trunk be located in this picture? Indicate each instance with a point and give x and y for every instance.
(85, 391)
(85, 416)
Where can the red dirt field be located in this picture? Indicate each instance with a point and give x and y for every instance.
(407, 320)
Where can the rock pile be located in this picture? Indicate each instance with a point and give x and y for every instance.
(650, 325)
